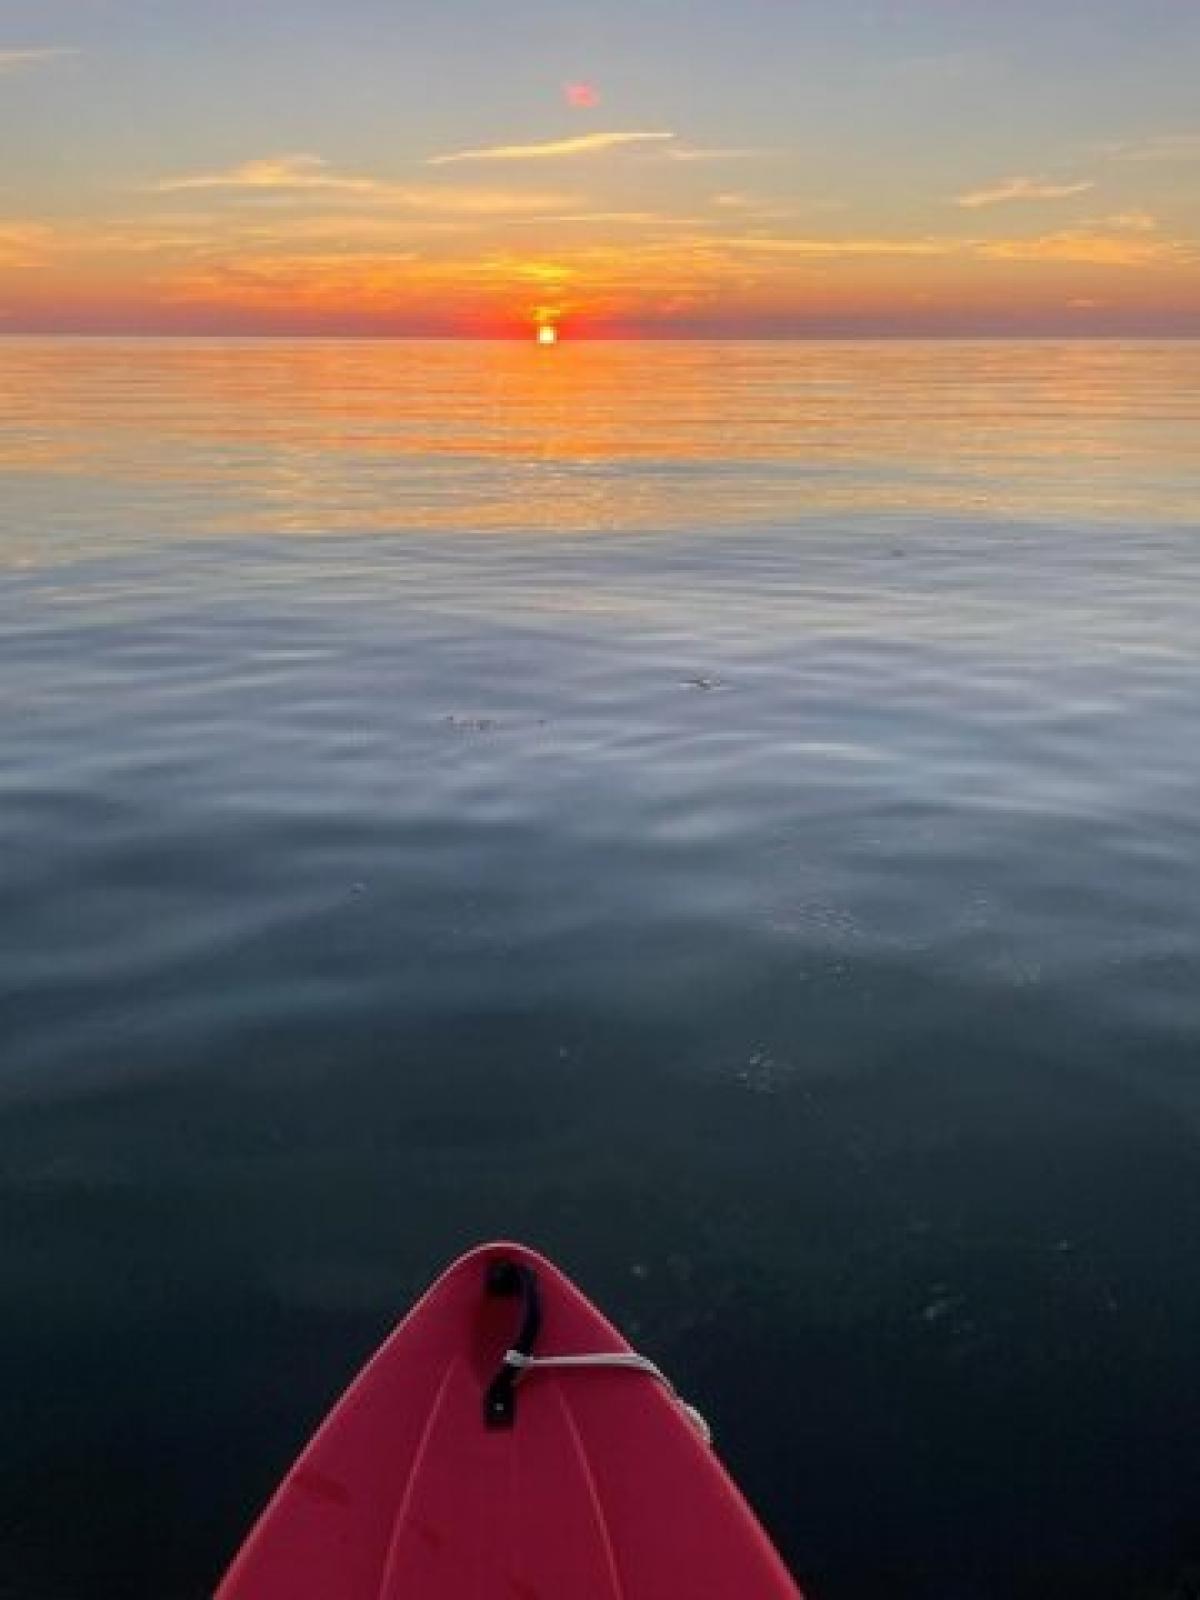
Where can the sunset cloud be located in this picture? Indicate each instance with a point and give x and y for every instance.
(684, 152)
(333, 269)
(313, 176)
(847, 247)
(585, 144)
(1023, 189)
(350, 231)
(23, 244)
(303, 266)
(1119, 241)
(1134, 221)
(623, 219)
(14, 60)
(1085, 247)
(272, 172)
(308, 281)
(1166, 147)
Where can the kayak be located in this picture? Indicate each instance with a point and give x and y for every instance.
(506, 1443)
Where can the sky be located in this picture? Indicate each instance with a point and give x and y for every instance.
(688, 168)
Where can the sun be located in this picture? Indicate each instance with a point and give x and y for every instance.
(547, 334)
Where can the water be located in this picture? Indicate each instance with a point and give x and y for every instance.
(729, 815)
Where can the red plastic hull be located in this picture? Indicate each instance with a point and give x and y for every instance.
(600, 1490)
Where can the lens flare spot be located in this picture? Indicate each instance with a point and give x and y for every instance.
(584, 96)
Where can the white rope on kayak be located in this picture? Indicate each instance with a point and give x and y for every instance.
(619, 1360)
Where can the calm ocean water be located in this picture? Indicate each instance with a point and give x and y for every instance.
(727, 814)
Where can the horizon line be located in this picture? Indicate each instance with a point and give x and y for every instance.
(846, 336)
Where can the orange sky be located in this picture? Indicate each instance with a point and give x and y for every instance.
(954, 179)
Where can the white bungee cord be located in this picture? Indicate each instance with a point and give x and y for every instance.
(618, 1360)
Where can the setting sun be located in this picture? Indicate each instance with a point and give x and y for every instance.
(547, 334)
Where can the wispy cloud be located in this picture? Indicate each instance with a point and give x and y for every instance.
(1176, 147)
(308, 282)
(686, 152)
(586, 144)
(1089, 247)
(757, 209)
(347, 231)
(1120, 241)
(14, 60)
(1132, 221)
(844, 247)
(621, 219)
(139, 239)
(1023, 189)
(311, 176)
(272, 172)
(23, 244)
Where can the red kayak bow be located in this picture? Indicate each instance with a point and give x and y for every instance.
(507, 1444)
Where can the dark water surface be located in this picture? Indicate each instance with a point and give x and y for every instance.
(729, 815)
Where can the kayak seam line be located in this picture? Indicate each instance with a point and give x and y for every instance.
(610, 1553)
(401, 1517)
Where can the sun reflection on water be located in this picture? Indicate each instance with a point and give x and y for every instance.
(202, 437)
